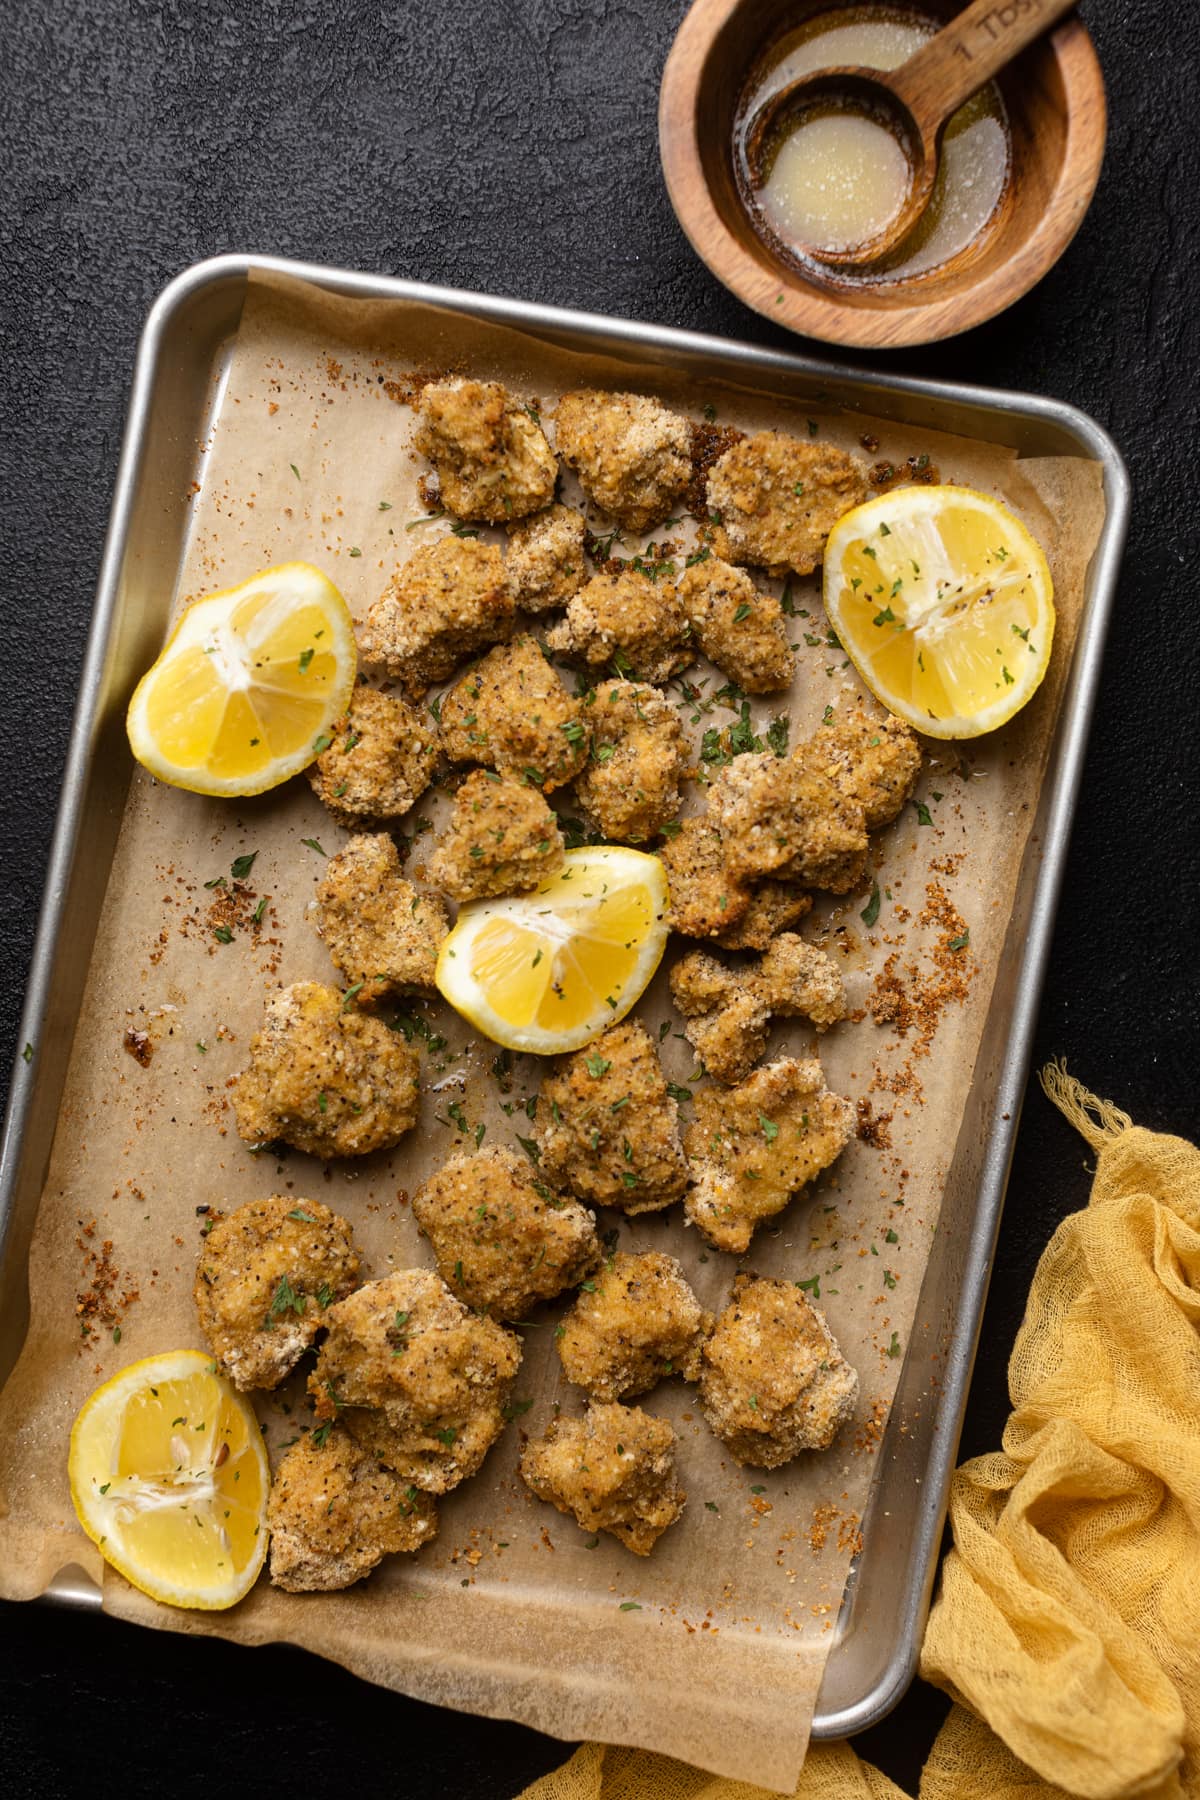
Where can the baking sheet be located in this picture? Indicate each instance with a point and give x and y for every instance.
(507, 1612)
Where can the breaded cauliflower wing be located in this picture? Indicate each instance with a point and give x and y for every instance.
(335, 1512)
(634, 1323)
(773, 1381)
(325, 1077)
(488, 450)
(381, 933)
(379, 761)
(502, 838)
(727, 1012)
(630, 784)
(608, 1129)
(753, 1146)
(874, 763)
(546, 562)
(613, 1470)
(502, 1239)
(512, 713)
(420, 1380)
(447, 602)
(627, 620)
(725, 1017)
(632, 454)
(736, 626)
(705, 898)
(777, 499)
(265, 1276)
(776, 817)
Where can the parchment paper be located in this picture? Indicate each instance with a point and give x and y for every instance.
(509, 1612)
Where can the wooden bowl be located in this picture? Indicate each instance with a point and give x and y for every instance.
(1054, 93)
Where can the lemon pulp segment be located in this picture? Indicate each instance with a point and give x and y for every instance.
(944, 601)
(170, 1479)
(550, 971)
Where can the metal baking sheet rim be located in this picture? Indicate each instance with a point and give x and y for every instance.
(72, 1587)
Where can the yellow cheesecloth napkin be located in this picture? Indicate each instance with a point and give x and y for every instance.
(1067, 1628)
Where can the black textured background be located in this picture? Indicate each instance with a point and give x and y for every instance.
(509, 146)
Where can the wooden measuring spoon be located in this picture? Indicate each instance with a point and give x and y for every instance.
(914, 101)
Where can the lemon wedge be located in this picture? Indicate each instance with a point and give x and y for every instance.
(547, 971)
(248, 685)
(170, 1479)
(944, 603)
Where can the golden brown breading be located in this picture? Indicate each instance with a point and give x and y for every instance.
(334, 1512)
(873, 762)
(265, 1276)
(546, 562)
(736, 627)
(774, 905)
(776, 817)
(635, 1323)
(613, 1470)
(627, 620)
(382, 935)
(325, 1077)
(607, 1127)
(774, 1382)
(727, 1012)
(726, 1019)
(501, 1238)
(632, 454)
(797, 980)
(448, 601)
(489, 451)
(513, 713)
(418, 1378)
(778, 498)
(502, 838)
(380, 761)
(705, 898)
(755, 1145)
(630, 786)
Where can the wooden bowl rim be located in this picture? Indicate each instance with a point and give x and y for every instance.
(844, 318)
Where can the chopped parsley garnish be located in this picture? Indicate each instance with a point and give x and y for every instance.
(284, 1299)
(242, 865)
(870, 911)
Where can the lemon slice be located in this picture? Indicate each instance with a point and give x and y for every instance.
(944, 603)
(248, 685)
(170, 1479)
(547, 971)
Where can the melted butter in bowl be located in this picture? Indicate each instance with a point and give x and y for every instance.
(835, 177)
